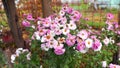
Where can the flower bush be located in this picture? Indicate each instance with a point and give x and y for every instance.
(63, 40)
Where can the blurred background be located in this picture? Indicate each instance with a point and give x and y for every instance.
(91, 9)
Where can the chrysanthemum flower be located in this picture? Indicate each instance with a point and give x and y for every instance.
(59, 50)
(83, 34)
(26, 23)
(106, 41)
(89, 43)
(110, 16)
(72, 25)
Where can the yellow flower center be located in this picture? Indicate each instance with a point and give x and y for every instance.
(51, 43)
(89, 42)
(46, 22)
(74, 17)
(48, 36)
(61, 39)
(58, 17)
(71, 25)
(82, 34)
(41, 30)
(65, 30)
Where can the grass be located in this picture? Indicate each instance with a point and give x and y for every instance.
(80, 7)
(96, 25)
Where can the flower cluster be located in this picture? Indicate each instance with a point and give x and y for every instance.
(112, 36)
(18, 52)
(59, 31)
(111, 31)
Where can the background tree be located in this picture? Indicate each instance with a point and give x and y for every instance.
(10, 9)
(46, 7)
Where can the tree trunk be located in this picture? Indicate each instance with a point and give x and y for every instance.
(10, 9)
(46, 8)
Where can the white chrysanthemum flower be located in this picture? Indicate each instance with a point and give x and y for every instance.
(106, 41)
(66, 26)
(89, 43)
(41, 66)
(52, 33)
(60, 25)
(84, 50)
(61, 13)
(74, 48)
(72, 25)
(39, 22)
(103, 29)
(52, 43)
(18, 51)
(33, 26)
(13, 56)
(43, 39)
(83, 34)
(28, 56)
(25, 50)
(44, 47)
(111, 40)
(37, 36)
(104, 64)
(65, 31)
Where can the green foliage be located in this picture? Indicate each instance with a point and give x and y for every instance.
(95, 25)
(67, 60)
(81, 7)
(22, 62)
(3, 23)
(3, 61)
(94, 59)
(113, 10)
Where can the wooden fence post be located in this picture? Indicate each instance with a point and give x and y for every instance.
(46, 7)
(10, 9)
